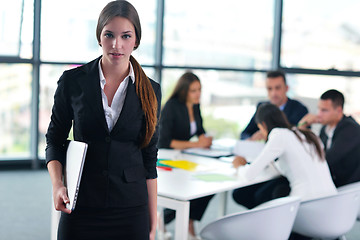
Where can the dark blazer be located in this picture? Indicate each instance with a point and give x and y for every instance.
(175, 122)
(115, 169)
(343, 156)
(294, 111)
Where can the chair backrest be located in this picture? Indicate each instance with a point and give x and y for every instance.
(271, 221)
(328, 217)
(355, 185)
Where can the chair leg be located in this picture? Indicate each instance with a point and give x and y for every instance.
(160, 225)
(342, 237)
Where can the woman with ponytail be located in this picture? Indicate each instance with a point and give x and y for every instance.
(114, 107)
(297, 154)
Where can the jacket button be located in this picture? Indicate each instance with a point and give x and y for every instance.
(107, 139)
(105, 173)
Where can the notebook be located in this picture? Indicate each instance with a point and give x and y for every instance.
(208, 152)
(75, 159)
(248, 149)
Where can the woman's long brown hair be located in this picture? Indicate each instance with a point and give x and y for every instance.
(147, 96)
(273, 117)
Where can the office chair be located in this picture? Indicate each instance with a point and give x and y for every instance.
(328, 217)
(272, 220)
(352, 186)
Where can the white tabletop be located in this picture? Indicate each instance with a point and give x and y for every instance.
(184, 185)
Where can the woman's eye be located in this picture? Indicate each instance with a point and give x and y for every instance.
(126, 36)
(109, 35)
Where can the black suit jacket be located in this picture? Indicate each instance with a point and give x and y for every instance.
(175, 122)
(294, 111)
(115, 169)
(343, 155)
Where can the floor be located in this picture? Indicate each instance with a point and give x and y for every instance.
(25, 201)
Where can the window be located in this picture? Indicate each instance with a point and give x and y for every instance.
(321, 35)
(229, 45)
(15, 110)
(319, 84)
(16, 28)
(230, 34)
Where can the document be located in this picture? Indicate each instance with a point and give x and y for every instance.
(182, 164)
(214, 177)
(208, 152)
(75, 159)
(248, 149)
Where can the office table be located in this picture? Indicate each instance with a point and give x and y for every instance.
(177, 187)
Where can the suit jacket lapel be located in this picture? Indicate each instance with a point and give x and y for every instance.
(131, 108)
(90, 84)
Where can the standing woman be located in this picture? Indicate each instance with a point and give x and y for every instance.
(114, 107)
(297, 154)
(181, 120)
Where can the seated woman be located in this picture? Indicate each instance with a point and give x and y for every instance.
(297, 154)
(181, 116)
(181, 120)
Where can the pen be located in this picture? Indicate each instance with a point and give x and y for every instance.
(302, 124)
(164, 168)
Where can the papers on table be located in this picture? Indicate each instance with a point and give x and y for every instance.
(248, 149)
(214, 177)
(184, 165)
(75, 158)
(208, 152)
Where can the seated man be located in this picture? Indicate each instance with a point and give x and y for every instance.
(252, 196)
(276, 89)
(340, 135)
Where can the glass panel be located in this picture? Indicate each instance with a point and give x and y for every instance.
(68, 33)
(228, 99)
(327, 36)
(15, 110)
(229, 34)
(319, 84)
(16, 28)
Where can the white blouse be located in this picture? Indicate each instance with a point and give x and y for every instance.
(193, 128)
(309, 177)
(112, 112)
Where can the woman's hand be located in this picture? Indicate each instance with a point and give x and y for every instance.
(257, 136)
(59, 190)
(152, 235)
(204, 141)
(307, 120)
(61, 198)
(239, 161)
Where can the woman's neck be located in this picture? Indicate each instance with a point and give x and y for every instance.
(115, 72)
(189, 105)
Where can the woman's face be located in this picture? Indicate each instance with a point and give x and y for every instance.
(263, 129)
(118, 39)
(194, 93)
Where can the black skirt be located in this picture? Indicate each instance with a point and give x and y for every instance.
(106, 223)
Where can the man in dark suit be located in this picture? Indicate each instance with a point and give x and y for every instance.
(340, 135)
(277, 88)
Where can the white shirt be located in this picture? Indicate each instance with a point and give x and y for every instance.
(112, 113)
(329, 133)
(309, 177)
(193, 128)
